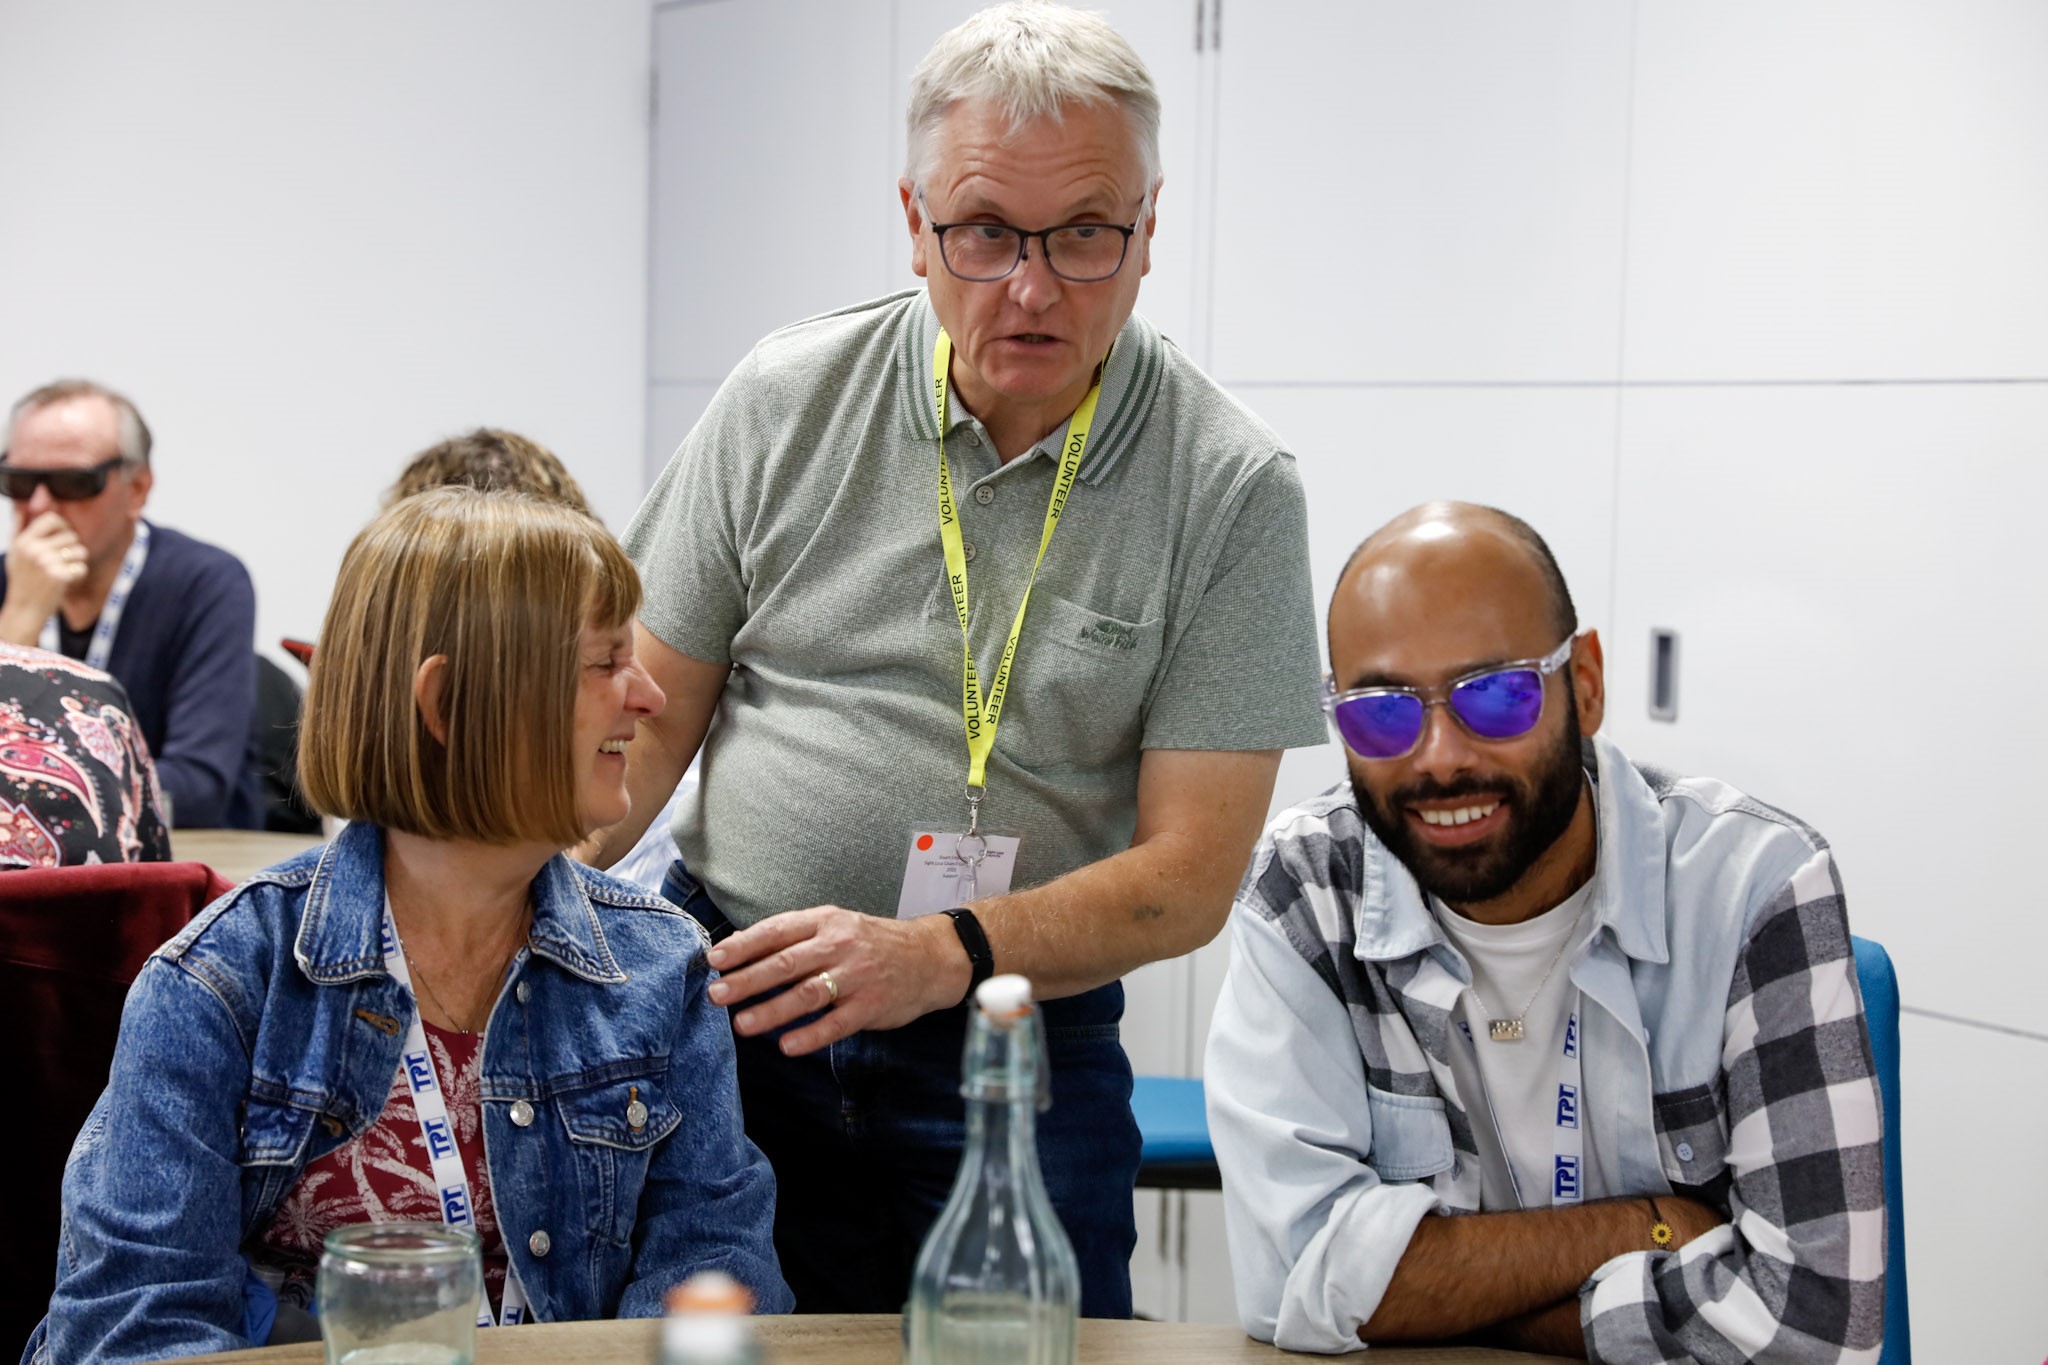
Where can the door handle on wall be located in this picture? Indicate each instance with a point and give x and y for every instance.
(1663, 673)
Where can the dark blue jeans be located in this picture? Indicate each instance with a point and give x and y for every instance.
(865, 1137)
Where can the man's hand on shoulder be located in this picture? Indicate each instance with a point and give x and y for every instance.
(863, 971)
(45, 559)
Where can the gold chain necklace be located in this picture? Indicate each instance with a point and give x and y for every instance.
(413, 964)
(1510, 1030)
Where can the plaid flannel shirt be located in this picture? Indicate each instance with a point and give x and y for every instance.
(1726, 1058)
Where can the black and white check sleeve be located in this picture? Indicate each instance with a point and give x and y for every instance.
(1798, 1273)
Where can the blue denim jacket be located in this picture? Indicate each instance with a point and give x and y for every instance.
(266, 1035)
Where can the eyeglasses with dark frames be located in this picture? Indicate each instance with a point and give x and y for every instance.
(983, 252)
(65, 485)
(1503, 701)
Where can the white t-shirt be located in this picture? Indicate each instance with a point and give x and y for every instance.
(1510, 1089)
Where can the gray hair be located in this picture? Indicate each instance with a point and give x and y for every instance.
(1032, 58)
(132, 438)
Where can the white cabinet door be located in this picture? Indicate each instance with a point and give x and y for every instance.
(1411, 192)
(772, 194)
(1855, 573)
(1831, 191)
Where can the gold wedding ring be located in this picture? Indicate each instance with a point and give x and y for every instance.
(831, 988)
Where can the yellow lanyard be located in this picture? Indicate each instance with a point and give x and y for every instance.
(982, 713)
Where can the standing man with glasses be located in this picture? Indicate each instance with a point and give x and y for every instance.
(1609, 1012)
(991, 614)
(173, 619)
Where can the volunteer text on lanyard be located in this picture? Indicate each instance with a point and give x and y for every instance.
(102, 647)
(450, 1179)
(984, 711)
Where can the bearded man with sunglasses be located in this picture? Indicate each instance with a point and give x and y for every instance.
(172, 618)
(1608, 1014)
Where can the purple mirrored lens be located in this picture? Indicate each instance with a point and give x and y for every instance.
(1380, 724)
(1500, 705)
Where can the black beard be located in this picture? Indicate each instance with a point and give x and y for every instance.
(1538, 815)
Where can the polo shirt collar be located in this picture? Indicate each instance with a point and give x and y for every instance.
(1129, 387)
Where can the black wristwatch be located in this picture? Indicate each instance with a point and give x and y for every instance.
(981, 960)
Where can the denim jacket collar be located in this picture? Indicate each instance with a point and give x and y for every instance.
(338, 937)
(1394, 920)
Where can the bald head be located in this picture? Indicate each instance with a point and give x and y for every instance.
(1457, 558)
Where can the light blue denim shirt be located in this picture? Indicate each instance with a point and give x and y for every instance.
(266, 1035)
(1725, 1058)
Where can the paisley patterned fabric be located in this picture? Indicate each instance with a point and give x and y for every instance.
(76, 781)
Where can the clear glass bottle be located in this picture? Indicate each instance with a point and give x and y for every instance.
(996, 1282)
(707, 1322)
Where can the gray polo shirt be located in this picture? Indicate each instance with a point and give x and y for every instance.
(795, 535)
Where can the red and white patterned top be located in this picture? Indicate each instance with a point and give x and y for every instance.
(384, 1176)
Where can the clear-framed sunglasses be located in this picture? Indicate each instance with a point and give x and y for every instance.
(1504, 701)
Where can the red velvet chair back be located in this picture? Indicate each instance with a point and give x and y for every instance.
(71, 941)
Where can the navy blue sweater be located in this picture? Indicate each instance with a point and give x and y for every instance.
(186, 653)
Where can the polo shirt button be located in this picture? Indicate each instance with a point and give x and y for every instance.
(522, 1114)
(539, 1243)
(523, 992)
(984, 495)
(973, 437)
(1685, 1151)
(967, 552)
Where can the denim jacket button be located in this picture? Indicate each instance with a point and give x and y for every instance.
(523, 992)
(522, 1113)
(539, 1243)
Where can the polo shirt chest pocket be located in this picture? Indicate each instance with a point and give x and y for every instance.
(614, 1130)
(1411, 1137)
(1088, 685)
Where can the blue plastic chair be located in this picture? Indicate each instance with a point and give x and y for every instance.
(1881, 1010)
(1174, 1125)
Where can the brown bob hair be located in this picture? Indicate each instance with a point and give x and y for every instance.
(502, 585)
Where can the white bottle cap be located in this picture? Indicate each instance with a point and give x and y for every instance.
(1005, 996)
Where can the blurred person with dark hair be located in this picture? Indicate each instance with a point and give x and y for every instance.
(492, 460)
(172, 618)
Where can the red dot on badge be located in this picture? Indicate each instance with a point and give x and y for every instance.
(924, 843)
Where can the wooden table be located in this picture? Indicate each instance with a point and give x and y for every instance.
(829, 1339)
(237, 854)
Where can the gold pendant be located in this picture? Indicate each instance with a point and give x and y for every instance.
(1504, 1030)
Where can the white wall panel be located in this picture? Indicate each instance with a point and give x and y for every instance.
(1365, 455)
(772, 195)
(1420, 192)
(1856, 576)
(309, 240)
(1839, 189)
(1163, 34)
(1973, 1106)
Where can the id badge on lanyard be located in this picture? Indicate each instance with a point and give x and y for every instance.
(947, 869)
(430, 1107)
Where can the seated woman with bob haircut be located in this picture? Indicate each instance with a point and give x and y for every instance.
(469, 707)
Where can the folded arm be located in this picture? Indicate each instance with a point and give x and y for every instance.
(1798, 1273)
